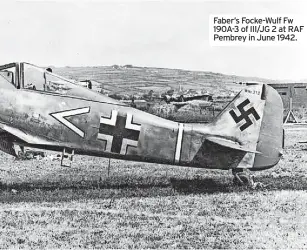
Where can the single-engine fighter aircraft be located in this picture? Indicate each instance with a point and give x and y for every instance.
(40, 109)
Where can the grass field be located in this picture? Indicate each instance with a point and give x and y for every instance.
(139, 205)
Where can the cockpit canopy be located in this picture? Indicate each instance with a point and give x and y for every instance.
(28, 76)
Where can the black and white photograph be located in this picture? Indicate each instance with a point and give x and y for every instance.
(153, 124)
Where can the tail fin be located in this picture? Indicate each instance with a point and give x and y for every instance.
(252, 123)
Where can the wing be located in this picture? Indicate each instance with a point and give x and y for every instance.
(26, 137)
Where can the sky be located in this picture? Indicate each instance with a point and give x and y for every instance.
(167, 34)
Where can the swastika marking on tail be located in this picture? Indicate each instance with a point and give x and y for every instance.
(244, 115)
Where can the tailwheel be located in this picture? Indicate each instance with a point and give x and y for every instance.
(242, 177)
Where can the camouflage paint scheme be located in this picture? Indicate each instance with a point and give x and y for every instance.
(42, 110)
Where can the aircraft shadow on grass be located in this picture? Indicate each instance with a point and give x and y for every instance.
(103, 190)
(221, 186)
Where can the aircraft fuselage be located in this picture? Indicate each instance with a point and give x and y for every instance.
(102, 129)
(238, 137)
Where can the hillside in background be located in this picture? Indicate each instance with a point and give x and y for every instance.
(128, 78)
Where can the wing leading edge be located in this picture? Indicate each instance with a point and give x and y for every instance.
(26, 137)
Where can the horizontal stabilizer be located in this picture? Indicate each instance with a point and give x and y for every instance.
(230, 144)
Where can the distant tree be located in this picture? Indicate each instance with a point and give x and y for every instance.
(170, 92)
(115, 66)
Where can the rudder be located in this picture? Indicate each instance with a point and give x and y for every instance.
(252, 123)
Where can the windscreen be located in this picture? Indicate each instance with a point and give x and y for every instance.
(7, 76)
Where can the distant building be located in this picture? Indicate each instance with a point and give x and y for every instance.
(128, 66)
(86, 83)
(141, 104)
(138, 104)
(297, 91)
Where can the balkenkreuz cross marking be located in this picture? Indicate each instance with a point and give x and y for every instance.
(119, 132)
(244, 115)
